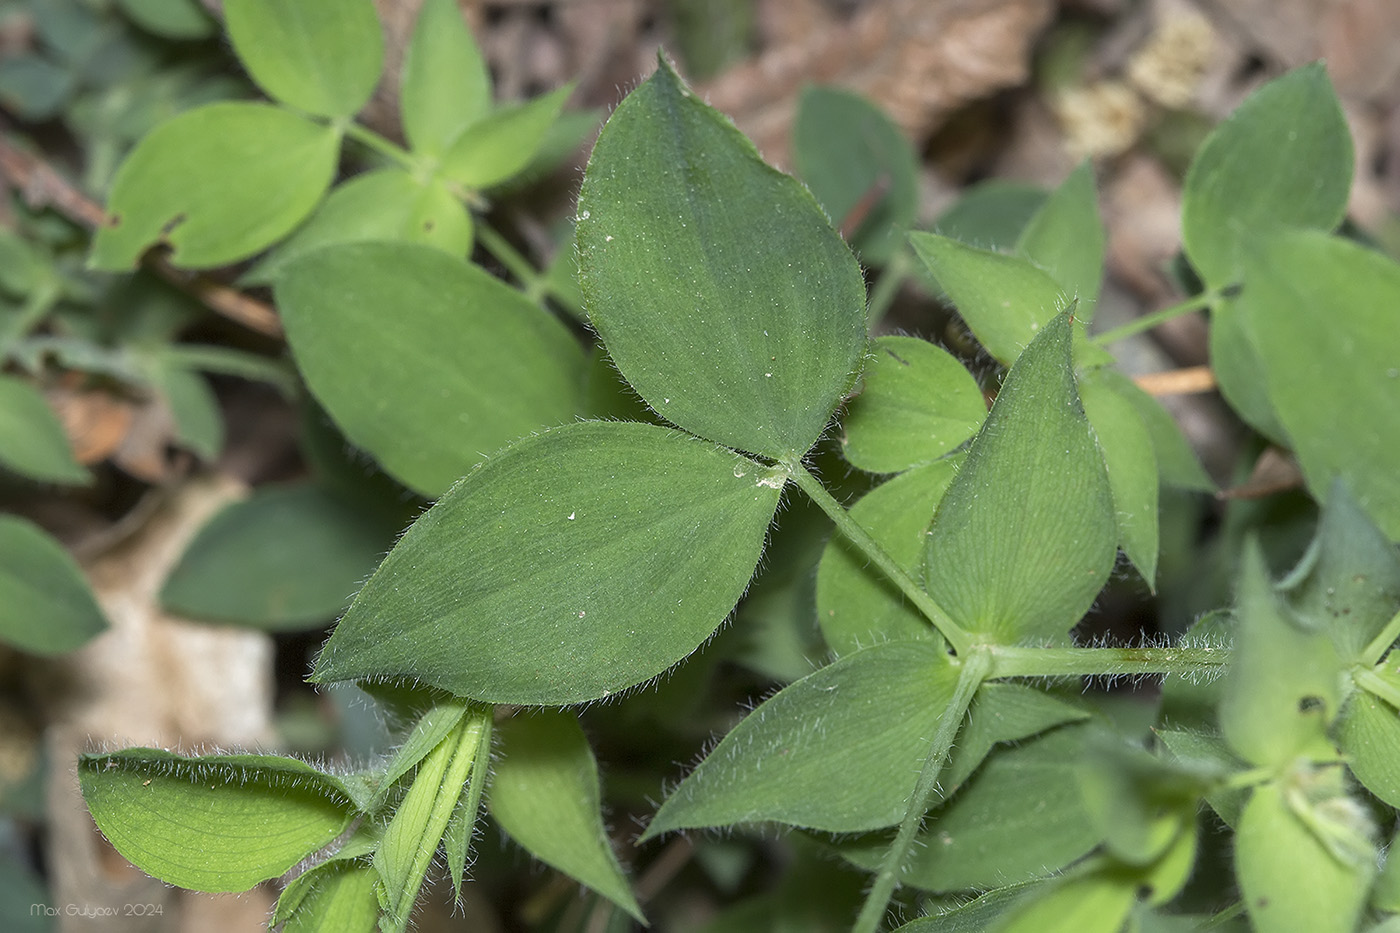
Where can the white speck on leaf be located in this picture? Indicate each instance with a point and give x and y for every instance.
(571, 515)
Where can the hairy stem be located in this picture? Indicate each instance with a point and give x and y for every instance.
(1107, 662)
(1369, 681)
(976, 667)
(531, 282)
(1149, 321)
(959, 639)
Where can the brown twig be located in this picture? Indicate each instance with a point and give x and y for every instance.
(41, 186)
(1188, 381)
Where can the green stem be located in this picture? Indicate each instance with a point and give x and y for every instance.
(1372, 683)
(958, 638)
(887, 286)
(976, 666)
(531, 282)
(1149, 321)
(372, 140)
(436, 789)
(1382, 642)
(1106, 662)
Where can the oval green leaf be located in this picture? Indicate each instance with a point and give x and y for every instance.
(286, 558)
(1025, 536)
(721, 292)
(1299, 866)
(860, 167)
(445, 84)
(917, 404)
(426, 361)
(857, 606)
(494, 148)
(1177, 464)
(388, 204)
(1005, 300)
(577, 563)
(320, 56)
(839, 750)
(216, 823)
(544, 794)
(32, 441)
(1324, 317)
(1282, 159)
(46, 606)
(218, 184)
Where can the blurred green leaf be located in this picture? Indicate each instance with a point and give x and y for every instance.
(34, 88)
(172, 19)
(322, 57)
(32, 441)
(1131, 463)
(465, 351)
(1066, 237)
(46, 605)
(861, 168)
(492, 149)
(1267, 168)
(1324, 317)
(445, 84)
(218, 184)
(287, 558)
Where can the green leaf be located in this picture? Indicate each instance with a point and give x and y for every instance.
(1370, 738)
(992, 214)
(1131, 463)
(1065, 237)
(341, 898)
(857, 606)
(504, 368)
(1322, 314)
(46, 606)
(1283, 688)
(445, 83)
(545, 796)
(917, 404)
(839, 750)
(976, 916)
(388, 204)
(171, 19)
(319, 56)
(218, 184)
(1025, 536)
(1282, 159)
(497, 146)
(1021, 816)
(1140, 803)
(576, 563)
(1303, 862)
(1093, 902)
(1385, 893)
(1208, 752)
(748, 325)
(1239, 371)
(199, 424)
(1348, 582)
(216, 823)
(456, 841)
(1003, 712)
(1177, 464)
(287, 558)
(1005, 300)
(860, 167)
(32, 442)
(34, 87)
